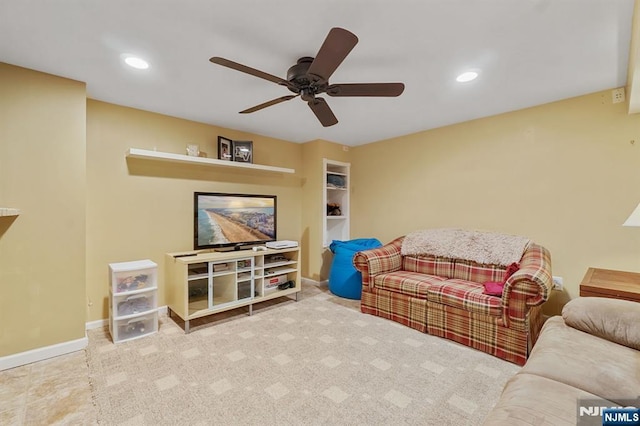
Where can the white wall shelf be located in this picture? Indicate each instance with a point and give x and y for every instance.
(6, 211)
(180, 158)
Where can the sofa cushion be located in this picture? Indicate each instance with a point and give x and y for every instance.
(430, 265)
(465, 295)
(611, 319)
(476, 272)
(408, 283)
(528, 399)
(584, 361)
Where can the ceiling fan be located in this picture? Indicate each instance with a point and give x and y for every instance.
(309, 77)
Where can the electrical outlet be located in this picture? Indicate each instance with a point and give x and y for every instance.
(558, 283)
(618, 95)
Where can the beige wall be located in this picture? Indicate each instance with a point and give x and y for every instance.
(565, 174)
(142, 209)
(42, 172)
(316, 260)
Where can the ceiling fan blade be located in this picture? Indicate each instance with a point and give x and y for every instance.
(248, 70)
(267, 104)
(336, 47)
(365, 89)
(321, 109)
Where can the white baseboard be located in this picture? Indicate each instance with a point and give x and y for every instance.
(309, 281)
(40, 354)
(96, 324)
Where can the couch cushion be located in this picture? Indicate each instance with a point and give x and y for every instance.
(476, 272)
(584, 361)
(611, 319)
(528, 399)
(465, 295)
(408, 283)
(430, 265)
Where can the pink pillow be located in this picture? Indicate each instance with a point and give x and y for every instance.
(494, 288)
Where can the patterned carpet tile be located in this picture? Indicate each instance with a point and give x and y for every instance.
(315, 361)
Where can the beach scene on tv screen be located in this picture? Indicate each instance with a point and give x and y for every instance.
(227, 219)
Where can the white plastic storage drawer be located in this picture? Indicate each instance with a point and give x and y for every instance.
(132, 276)
(133, 328)
(127, 304)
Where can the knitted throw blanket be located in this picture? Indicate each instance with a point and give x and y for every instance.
(481, 247)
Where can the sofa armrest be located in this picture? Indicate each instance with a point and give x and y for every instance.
(378, 261)
(530, 286)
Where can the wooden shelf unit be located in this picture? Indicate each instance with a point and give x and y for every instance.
(180, 158)
(204, 283)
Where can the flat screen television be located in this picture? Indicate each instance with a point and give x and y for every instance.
(231, 221)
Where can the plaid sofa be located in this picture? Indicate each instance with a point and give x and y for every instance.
(444, 297)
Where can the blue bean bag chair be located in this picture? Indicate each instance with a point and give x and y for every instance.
(344, 279)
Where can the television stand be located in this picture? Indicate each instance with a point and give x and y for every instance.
(237, 247)
(207, 283)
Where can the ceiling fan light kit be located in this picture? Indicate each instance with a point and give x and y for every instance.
(309, 77)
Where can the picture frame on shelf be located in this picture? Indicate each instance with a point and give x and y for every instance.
(225, 149)
(243, 151)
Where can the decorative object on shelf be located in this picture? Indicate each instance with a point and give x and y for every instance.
(335, 181)
(225, 149)
(243, 151)
(333, 209)
(193, 150)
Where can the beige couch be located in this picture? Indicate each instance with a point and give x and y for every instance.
(590, 354)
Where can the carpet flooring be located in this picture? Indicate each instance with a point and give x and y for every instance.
(317, 361)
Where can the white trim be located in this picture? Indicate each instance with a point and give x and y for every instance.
(309, 281)
(40, 354)
(96, 324)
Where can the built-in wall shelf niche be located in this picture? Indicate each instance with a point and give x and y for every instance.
(7, 211)
(335, 206)
(180, 158)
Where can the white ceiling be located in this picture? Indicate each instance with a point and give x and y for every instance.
(529, 52)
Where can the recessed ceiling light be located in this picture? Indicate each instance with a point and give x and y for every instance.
(136, 62)
(467, 76)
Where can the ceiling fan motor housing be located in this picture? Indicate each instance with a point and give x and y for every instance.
(306, 84)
